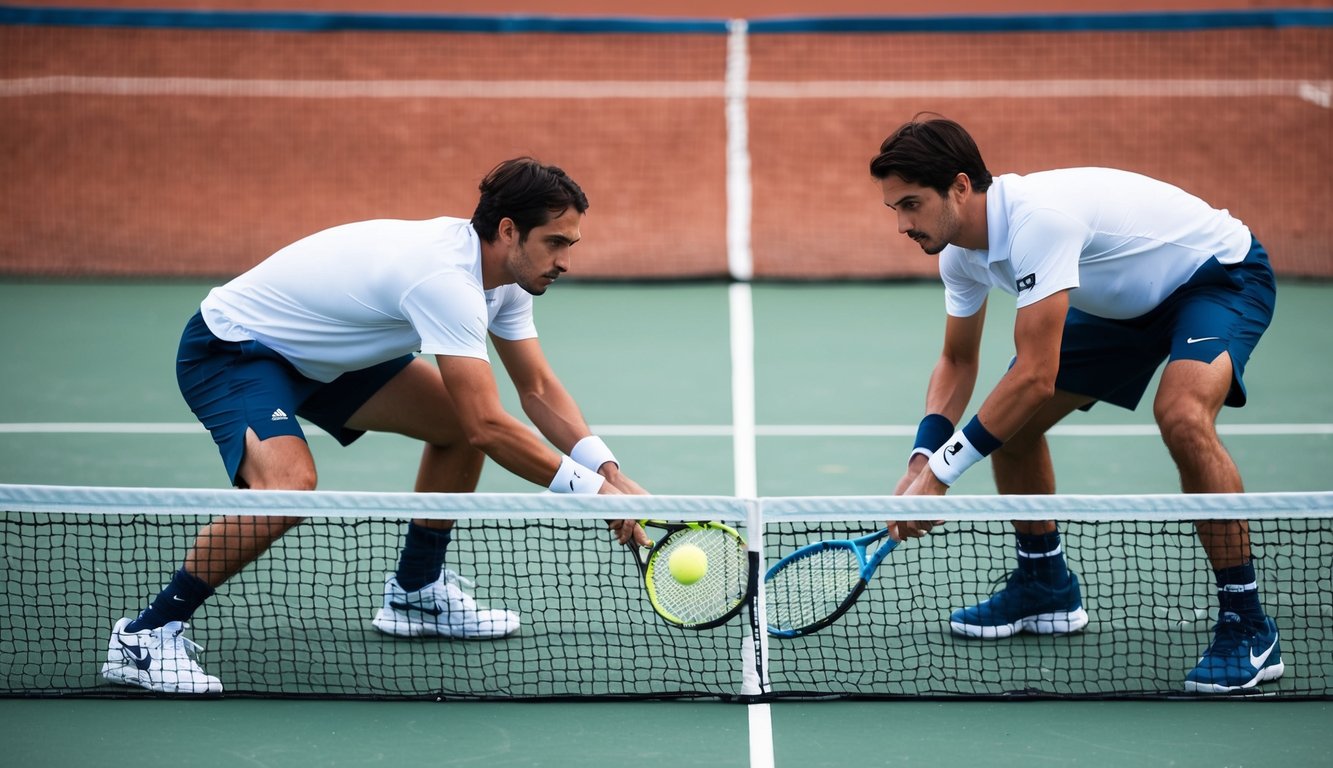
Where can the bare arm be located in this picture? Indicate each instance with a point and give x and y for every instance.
(1023, 389)
(1027, 385)
(952, 380)
(555, 414)
(489, 427)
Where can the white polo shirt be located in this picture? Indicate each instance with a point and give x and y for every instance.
(359, 294)
(1121, 241)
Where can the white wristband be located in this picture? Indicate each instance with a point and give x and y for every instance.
(592, 452)
(953, 458)
(573, 477)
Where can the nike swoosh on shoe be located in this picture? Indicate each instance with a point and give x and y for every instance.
(1258, 661)
(434, 610)
(139, 655)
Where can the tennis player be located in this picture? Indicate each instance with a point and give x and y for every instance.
(1114, 272)
(326, 329)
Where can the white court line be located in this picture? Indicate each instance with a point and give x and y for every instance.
(704, 430)
(1317, 92)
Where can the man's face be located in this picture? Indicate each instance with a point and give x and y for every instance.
(926, 216)
(536, 262)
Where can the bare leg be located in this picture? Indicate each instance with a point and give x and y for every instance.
(1023, 464)
(416, 404)
(229, 543)
(1188, 401)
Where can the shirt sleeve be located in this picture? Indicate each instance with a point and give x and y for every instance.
(964, 293)
(513, 318)
(448, 312)
(1044, 254)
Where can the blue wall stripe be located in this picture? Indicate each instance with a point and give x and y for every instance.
(285, 21)
(1073, 22)
(385, 22)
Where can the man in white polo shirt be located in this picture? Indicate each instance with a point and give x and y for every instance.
(328, 329)
(1114, 272)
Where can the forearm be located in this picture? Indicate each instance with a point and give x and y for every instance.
(509, 443)
(1017, 396)
(951, 385)
(557, 417)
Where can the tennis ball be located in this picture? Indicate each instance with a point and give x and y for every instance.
(688, 564)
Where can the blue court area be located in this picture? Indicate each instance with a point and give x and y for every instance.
(839, 373)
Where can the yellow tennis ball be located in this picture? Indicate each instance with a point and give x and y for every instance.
(688, 564)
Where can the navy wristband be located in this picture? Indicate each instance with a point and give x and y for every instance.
(980, 437)
(933, 432)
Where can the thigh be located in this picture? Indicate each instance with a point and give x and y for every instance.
(1194, 388)
(1109, 360)
(1222, 321)
(414, 403)
(282, 462)
(235, 388)
(332, 406)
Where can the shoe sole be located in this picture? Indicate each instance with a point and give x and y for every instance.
(1267, 674)
(1058, 623)
(390, 624)
(124, 674)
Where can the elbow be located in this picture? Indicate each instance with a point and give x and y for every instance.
(1039, 387)
(485, 436)
(1036, 383)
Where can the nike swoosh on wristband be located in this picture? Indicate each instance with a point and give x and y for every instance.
(1192, 340)
(1258, 661)
(434, 610)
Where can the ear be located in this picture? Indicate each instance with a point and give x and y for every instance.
(961, 188)
(507, 231)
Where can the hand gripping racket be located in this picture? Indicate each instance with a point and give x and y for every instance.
(810, 588)
(717, 596)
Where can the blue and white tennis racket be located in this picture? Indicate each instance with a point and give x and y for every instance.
(810, 588)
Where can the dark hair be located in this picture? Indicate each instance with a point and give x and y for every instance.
(931, 152)
(526, 191)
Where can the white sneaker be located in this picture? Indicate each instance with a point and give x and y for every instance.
(440, 609)
(161, 660)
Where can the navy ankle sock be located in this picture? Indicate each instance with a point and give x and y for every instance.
(176, 602)
(1238, 592)
(422, 556)
(1042, 557)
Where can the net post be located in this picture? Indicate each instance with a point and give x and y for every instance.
(754, 675)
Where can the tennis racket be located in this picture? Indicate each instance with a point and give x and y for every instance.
(712, 600)
(810, 588)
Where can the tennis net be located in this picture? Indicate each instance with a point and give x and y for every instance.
(296, 623)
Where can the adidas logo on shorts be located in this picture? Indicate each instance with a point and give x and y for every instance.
(278, 415)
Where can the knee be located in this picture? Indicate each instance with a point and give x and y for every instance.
(1184, 427)
(301, 477)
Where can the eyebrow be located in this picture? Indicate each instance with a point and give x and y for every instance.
(905, 198)
(561, 239)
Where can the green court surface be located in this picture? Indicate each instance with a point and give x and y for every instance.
(89, 383)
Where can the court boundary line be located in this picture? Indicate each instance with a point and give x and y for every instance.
(745, 469)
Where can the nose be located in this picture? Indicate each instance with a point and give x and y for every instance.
(904, 226)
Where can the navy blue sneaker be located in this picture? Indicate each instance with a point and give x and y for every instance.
(1241, 656)
(1024, 605)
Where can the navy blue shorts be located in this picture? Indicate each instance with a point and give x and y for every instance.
(232, 386)
(1222, 308)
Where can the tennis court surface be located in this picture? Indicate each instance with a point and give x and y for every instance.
(714, 150)
(112, 419)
